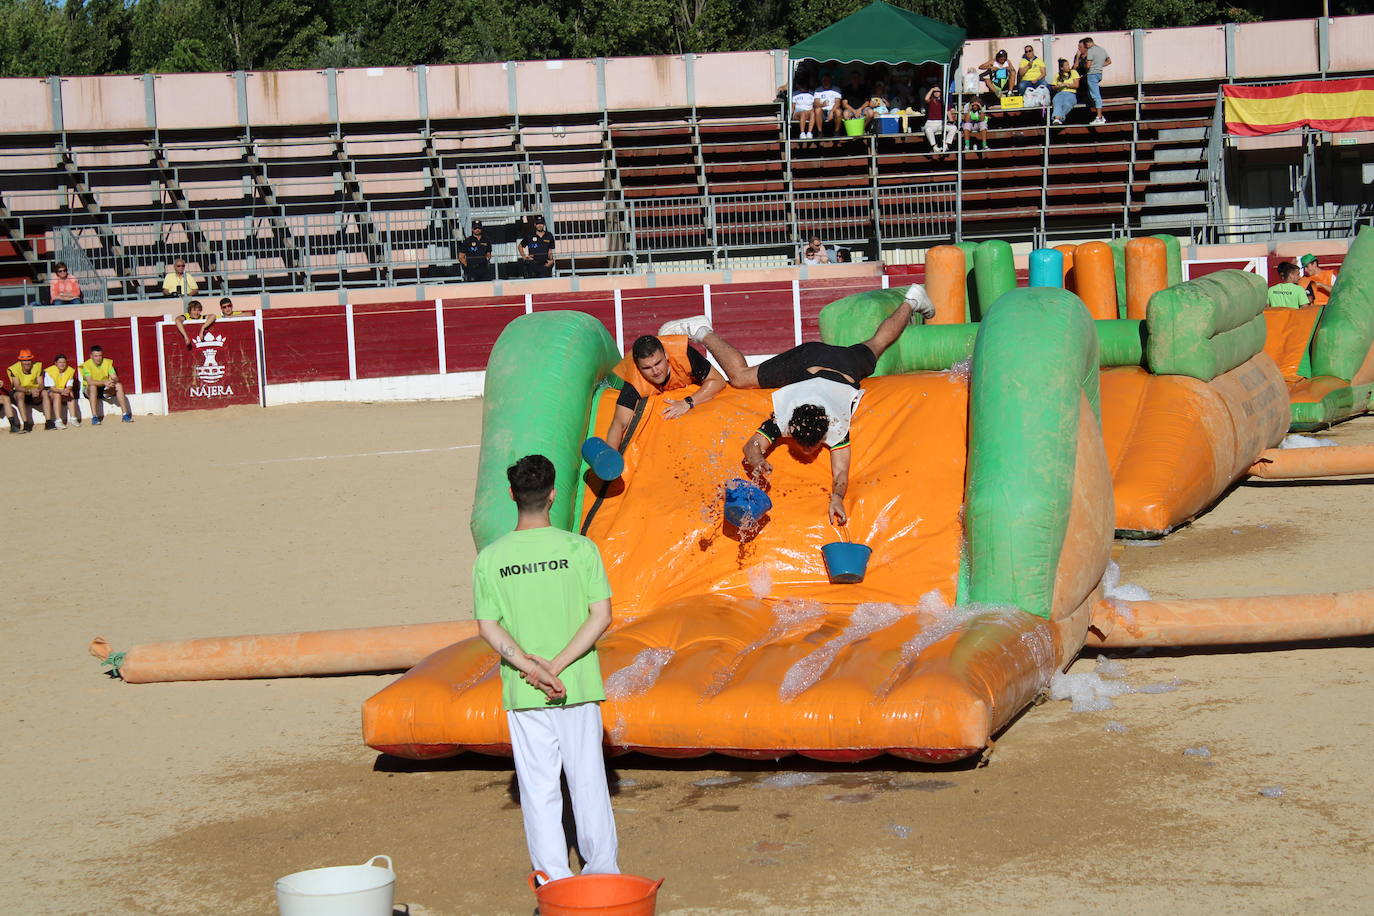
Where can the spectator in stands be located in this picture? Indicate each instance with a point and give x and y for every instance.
(103, 386)
(804, 107)
(855, 92)
(1065, 87)
(832, 103)
(536, 250)
(194, 312)
(873, 108)
(1288, 293)
(975, 122)
(475, 255)
(227, 310)
(64, 289)
(939, 132)
(26, 390)
(814, 252)
(1319, 282)
(178, 282)
(61, 394)
(659, 365)
(1031, 71)
(998, 75)
(1090, 61)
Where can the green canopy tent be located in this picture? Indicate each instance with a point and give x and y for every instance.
(881, 33)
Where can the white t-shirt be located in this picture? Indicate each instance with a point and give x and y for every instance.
(837, 399)
(802, 101)
(829, 97)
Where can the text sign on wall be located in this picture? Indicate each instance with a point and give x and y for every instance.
(219, 369)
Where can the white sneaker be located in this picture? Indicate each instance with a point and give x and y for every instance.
(696, 327)
(1097, 122)
(61, 424)
(920, 303)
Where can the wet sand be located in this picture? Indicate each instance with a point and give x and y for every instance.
(192, 798)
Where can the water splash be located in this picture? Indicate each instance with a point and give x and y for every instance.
(787, 616)
(639, 675)
(866, 619)
(761, 580)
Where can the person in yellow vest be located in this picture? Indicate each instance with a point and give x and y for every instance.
(61, 394)
(195, 312)
(655, 366)
(227, 310)
(103, 385)
(1319, 282)
(178, 281)
(26, 391)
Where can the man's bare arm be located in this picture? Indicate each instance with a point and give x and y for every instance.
(619, 423)
(756, 455)
(598, 619)
(839, 486)
(505, 645)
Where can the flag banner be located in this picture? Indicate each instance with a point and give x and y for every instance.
(219, 369)
(1339, 106)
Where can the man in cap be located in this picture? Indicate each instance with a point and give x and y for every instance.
(26, 390)
(658, 365)
(474, 253)
(1319, 282)
(817, 389)
(536, 251)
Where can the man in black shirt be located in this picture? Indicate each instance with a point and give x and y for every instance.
(475, 255)
(536, 251)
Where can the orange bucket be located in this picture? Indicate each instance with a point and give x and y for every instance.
(595, 895)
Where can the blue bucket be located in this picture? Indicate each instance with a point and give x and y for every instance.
(606, 462)
(745, 503)
(845, 562)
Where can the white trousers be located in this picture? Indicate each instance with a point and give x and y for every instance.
(933, 132)
(567, 739)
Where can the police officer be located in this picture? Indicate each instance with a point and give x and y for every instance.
(475, 255)
(536, 251)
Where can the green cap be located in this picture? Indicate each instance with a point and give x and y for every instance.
(1307, 259)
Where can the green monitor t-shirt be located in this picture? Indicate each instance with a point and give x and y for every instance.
(1287, 296)
(537, 584)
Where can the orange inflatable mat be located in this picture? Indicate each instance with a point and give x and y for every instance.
(735, 641)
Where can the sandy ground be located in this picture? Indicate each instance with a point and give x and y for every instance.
(192, 798)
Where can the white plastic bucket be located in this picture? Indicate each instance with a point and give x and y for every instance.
(345, 890)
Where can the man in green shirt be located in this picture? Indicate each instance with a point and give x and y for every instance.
(541, 599)
(1287, 294)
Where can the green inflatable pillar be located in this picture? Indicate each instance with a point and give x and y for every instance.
(972, 308)
(993, 271)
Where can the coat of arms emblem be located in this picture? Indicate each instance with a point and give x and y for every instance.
(208, 346)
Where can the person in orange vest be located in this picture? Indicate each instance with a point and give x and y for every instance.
(1319, 282)
(26, 391)
(655, 366)
(60, 387)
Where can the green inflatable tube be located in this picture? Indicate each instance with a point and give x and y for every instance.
(1120, 342)
(1346, 329)
(1118, 247)
(994, 271)
(1174, 258)
(541, 376)
(853, 319)
(1206, 326)
(1035, 359)
(972, 309)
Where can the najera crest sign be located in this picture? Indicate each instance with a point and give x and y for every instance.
(219, 369)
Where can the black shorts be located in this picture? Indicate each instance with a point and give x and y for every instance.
(789, 367)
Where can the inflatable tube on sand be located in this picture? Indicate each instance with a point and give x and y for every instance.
(1232, 621)
(1327, 461)
(353, 651)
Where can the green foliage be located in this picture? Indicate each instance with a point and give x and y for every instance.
(73, 37)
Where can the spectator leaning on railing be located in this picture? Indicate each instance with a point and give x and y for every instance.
(1065, 87)
(194, 312)
(178, 282)
(64, 289)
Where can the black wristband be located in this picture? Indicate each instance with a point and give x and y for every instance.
(690, 403)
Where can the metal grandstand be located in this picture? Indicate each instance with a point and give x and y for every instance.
(308, 181)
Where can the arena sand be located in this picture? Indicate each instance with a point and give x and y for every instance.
(192, 798)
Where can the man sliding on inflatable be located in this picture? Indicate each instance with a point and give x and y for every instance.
(817, 389)
(655, 366)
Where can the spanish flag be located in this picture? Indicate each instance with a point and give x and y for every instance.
(1334, 105)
